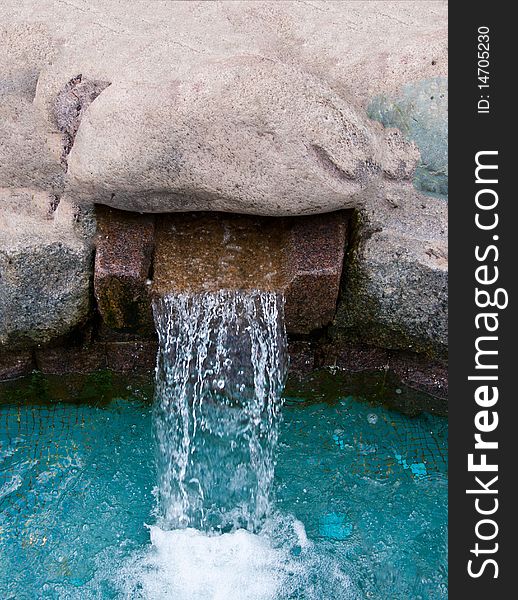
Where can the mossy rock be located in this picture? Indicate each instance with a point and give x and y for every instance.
(420, 111)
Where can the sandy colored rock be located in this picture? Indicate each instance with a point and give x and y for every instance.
(29, 149)
(244, 135)
(26, 48)
(247, 107)
(235, 106)
(360, 48)
(29, 153)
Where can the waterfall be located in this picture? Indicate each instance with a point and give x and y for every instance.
(220, 371)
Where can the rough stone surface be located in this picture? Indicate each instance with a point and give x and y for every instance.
(29, 148)
(415, 371)
(136, 357)
(243, 135)
(201, 252)
(124, 250)
(302, 358)
(399, 380)
(45, 268)
(404, 381)
(353, 358)
(395, 291)
(234, 106)
(70, 104)
(63, 360)
(418, 373)
(29, 153)
(26, 48)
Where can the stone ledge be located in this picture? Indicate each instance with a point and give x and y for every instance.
(136, 357)
(416, 371)
(64, 360)
(17, 365)
(407, 382)
(300, 256)
(131, 357)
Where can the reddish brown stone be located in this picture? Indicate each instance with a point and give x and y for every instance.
(207, 252)
(106, 334)
(353, 359)
(420, 373)
(64, 360)
(16, 365)
(124, 251)
(299, 256)
(314, 257)
(131, 357)
(302, 357)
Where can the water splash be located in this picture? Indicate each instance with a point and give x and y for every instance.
(220, 370)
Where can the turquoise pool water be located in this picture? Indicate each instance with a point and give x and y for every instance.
(360, 509)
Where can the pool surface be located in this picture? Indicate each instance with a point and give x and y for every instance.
(360, 509)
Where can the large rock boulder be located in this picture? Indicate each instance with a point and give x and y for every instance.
(244, 135)
(395, 289)
(235, 106)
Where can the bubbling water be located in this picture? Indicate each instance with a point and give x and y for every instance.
(220, 370)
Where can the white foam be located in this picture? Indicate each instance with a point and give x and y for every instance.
(300, 532)
(279, 563)
(190, 565)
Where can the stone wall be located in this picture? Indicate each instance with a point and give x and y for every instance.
(267, 109)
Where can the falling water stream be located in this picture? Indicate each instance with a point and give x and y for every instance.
(220, 372)
(221, 367)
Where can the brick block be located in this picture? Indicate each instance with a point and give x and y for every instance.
(124, 252)
(314, 255)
